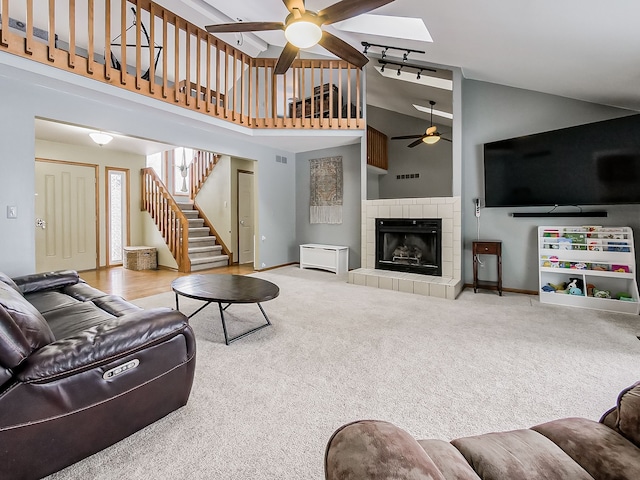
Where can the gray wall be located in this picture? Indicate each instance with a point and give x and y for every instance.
(348, 232)
(492, 112)
(29, 90)
(433, 162)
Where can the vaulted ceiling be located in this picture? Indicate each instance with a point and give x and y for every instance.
(581, 49)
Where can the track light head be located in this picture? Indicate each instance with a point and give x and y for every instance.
(366, 47)
(405, 56)
(384, 52)
(419, 73)
(383, 65)
(399, 71)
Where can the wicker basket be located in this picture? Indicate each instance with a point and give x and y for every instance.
(140, 258)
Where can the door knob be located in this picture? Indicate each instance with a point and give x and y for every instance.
(241, 222)
(41, 223)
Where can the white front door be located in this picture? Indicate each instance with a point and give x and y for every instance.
(65, 216)
(245, 217)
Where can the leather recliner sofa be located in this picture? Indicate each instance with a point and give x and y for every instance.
(564, 449)
(81, 370)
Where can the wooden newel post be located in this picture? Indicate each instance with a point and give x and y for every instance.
(185, 264)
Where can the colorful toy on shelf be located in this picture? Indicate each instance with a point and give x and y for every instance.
(595, 245)
(575, 286)
(555, 263)
(564, 243)
(548, 288)
(618, 247)
(620, 268)
(624, 296)
(601, 293)
(590, 288)
(558, 287)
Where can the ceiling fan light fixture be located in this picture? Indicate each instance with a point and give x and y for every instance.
(303, 33)
(100, 138)
(431, 139)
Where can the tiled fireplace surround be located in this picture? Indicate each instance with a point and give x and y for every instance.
(446, 208)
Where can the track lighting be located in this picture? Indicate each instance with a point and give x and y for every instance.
(386, 48)
(420, 68)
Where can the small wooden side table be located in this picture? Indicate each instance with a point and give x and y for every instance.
(487, 247)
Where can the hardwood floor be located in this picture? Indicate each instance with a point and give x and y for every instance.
(132, 284)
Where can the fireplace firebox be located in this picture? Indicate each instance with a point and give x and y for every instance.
(409, 245)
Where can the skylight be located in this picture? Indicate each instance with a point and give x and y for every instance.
(391, 72)
(387, 26)
(440, 113)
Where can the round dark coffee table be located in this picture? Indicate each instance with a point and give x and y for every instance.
(228, 289)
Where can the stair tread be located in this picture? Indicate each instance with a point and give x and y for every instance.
(204, 249)
(198, 261)
(203, 239)
(207, 266)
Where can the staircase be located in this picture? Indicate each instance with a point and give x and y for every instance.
(204, 252)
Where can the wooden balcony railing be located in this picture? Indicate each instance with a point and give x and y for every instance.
(168, 217)
(140, 46)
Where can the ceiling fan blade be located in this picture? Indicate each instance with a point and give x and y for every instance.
(244, 27)
(349, 8)
(416, 143)
(407, 137)
(286, 58)
(294, 5)
(343, 50)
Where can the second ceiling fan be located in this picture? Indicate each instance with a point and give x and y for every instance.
(302, 29)
(430, 136)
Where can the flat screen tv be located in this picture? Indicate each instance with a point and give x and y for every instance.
(593, 164)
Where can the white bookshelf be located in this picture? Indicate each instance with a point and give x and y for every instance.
(603, 257)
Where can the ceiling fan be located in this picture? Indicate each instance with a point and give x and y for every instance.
(430, 136)
(302, 29)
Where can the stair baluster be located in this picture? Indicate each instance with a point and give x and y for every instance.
(201, 167)
(168, 217)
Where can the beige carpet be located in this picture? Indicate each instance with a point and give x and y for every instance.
(264, 407)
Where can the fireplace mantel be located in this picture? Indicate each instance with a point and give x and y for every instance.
(450, 284)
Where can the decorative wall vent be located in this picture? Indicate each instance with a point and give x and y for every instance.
(281, 159)
(407, 176)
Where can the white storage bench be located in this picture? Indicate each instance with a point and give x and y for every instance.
(334, 258)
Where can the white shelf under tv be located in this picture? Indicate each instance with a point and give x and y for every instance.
(592, 254)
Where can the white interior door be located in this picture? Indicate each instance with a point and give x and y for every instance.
(65, 216)
(245, 217)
